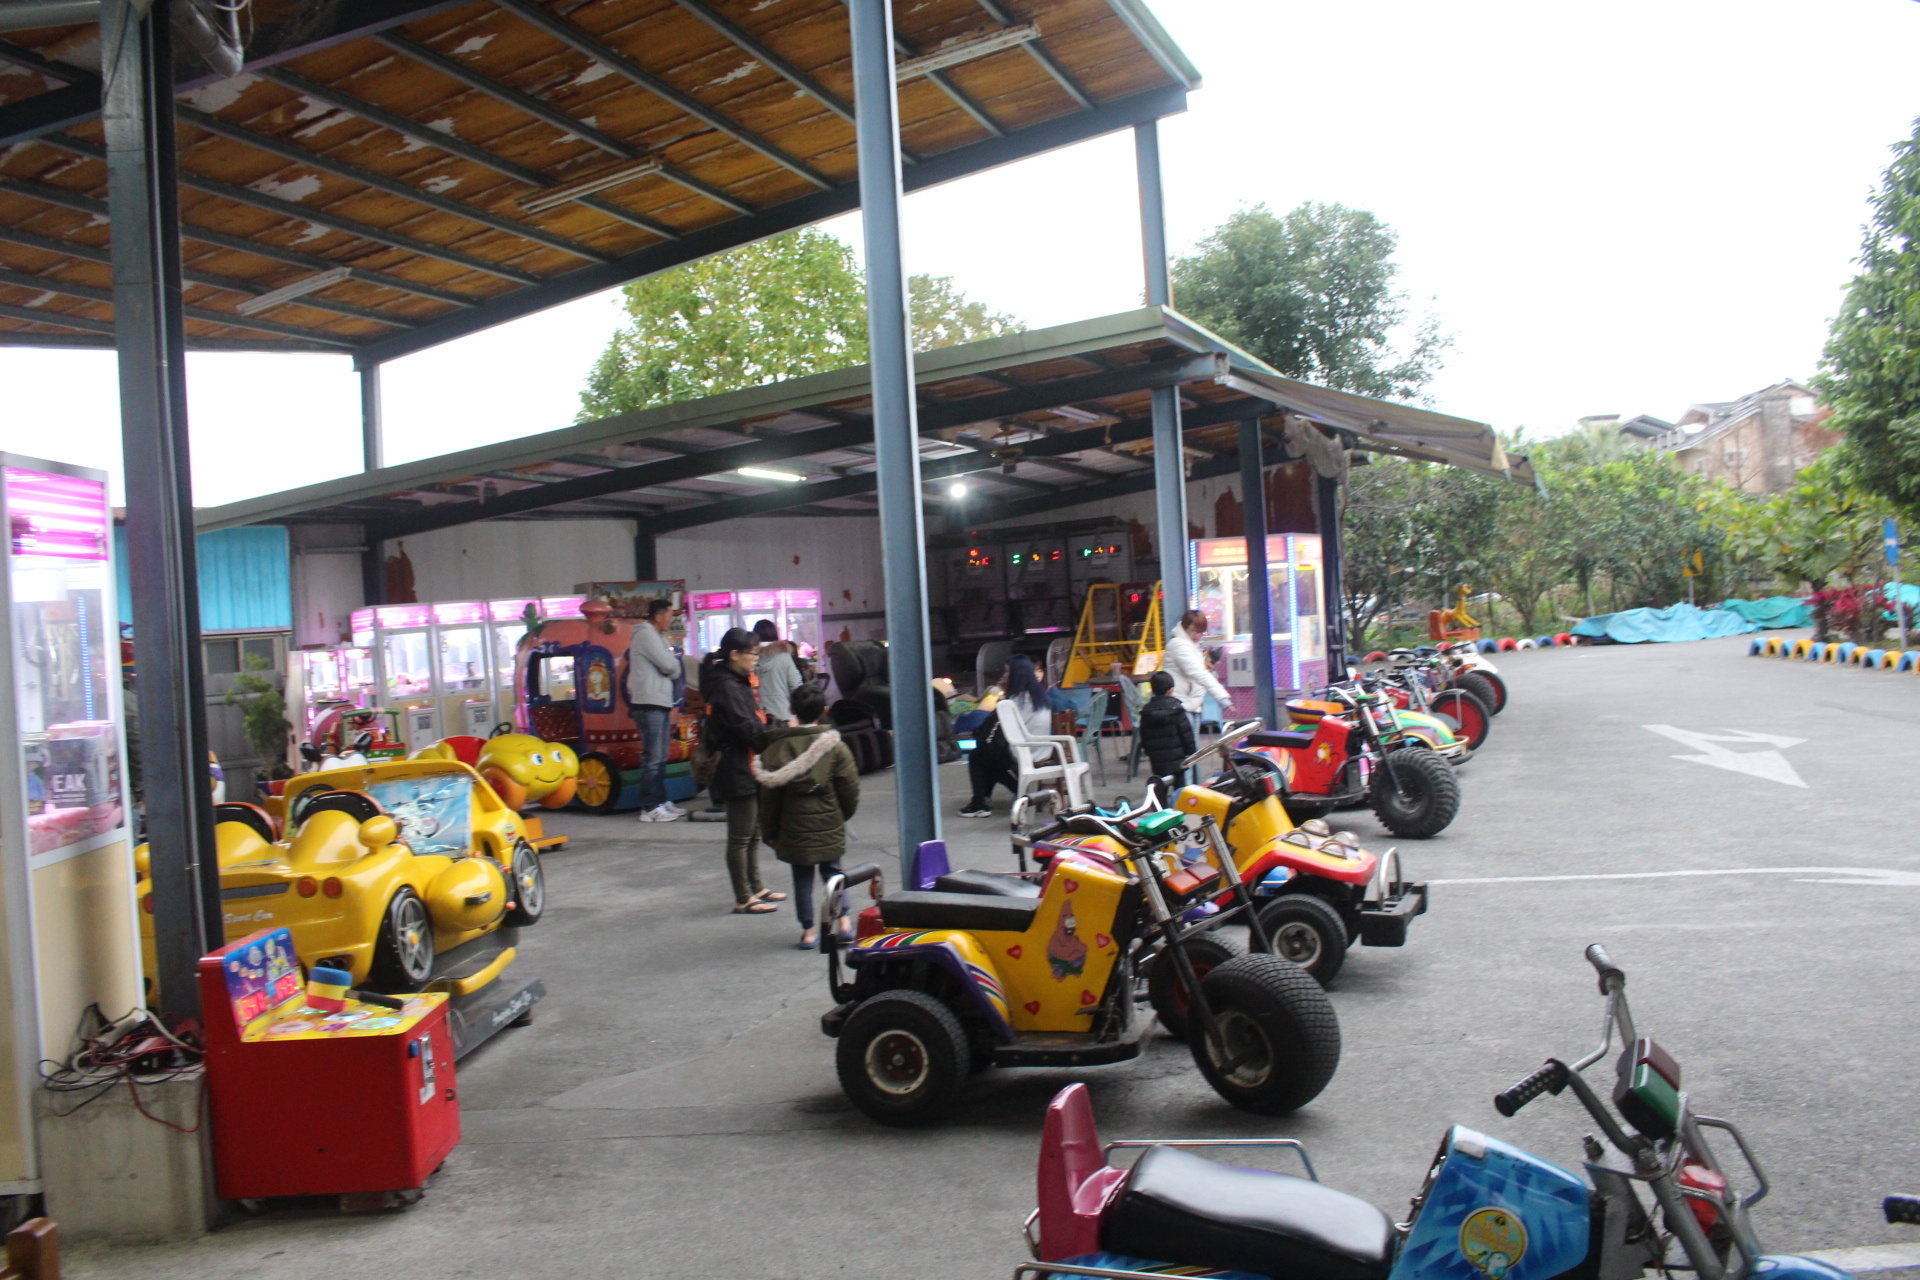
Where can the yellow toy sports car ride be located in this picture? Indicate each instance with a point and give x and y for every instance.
(381, 869)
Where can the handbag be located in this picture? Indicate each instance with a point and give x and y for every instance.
(706, 761)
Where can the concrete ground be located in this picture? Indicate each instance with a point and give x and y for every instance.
(673, 1111)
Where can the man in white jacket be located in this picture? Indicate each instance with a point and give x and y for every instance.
(651, 668)
(1193, 679)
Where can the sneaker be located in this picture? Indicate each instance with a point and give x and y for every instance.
(669, 806)
(976, 811)
(667, 813)
(649, 815)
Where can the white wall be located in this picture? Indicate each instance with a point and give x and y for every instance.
(494, 558)
(839, 555)
(326, 582)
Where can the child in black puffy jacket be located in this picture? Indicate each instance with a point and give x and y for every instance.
(1166, 731)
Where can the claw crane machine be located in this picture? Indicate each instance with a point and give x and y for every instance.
(795, 611)
(1218, 569)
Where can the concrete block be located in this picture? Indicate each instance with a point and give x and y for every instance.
(110, 1173)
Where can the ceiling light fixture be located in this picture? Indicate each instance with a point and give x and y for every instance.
(288, 292)
(956, 491)
(567, 192)
(965, 51)
(758, 473)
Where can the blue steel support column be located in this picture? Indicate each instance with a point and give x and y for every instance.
(1169, 458)
(142, 195)
(896, 428)
(1253, 499)
(372, 448)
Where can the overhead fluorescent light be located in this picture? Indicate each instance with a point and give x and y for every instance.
(956, 490)
(760, 473)
(1078, 414)
(567, 192)
(288, 292)
(965, 51)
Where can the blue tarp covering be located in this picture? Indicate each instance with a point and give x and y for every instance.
(1675, 622)
(1774, 611)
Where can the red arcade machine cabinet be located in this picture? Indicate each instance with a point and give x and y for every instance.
(358, 1103)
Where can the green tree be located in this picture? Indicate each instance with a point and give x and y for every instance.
(1312, 293)
(263, 716)
(779, 308)
(1870, 373)
(1411, 530)
(1824, 528)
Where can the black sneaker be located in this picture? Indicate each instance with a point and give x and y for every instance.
(976, 811)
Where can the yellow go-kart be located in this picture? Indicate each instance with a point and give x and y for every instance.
(404, 873)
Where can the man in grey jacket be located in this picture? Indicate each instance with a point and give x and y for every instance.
(651, 668)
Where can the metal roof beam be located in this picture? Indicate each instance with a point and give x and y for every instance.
(804, 211)
(568, 34)
(1061, 76)
(93, 293)
(749, 44)
(85, 324)
(454, 69)
(221, 240)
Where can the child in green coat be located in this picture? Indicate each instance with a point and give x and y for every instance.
(809, 787)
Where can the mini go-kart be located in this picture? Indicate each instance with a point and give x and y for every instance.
(1351, 748)
(1043, 970)
(407, 874)
(1473, 671)
(1319, 891)
(1488, 1210)
(1418, 682)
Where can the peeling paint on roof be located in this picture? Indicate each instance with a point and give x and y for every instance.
(442, 184)
(473, 45)
(293, 189)
(740, 72)
(594, 71)
(324, 123)
(313, 232)
(219, 96)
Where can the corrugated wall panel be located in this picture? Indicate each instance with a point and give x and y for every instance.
(244, 579)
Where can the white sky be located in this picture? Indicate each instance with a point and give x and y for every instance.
(1612, 209)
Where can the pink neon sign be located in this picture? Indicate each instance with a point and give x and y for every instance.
(463, 611)
(705, 600)
(64, 517)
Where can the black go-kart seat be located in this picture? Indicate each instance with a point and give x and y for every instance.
(1201, 1213)
(925, 909)
(357, 804)
(1272, 738)
(992, 884)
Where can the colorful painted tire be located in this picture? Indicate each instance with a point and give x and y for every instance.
(1845, 651)
(1867, 658)
(1523, 644)
(1543, 642)
(1564, 639)
(1907, 661)
(1508, 645)
(1756, 648)
(1375, 656)
(1800, 649)
(1829, 652)
(1489, 646)
(1772, 646)
(1889, 660)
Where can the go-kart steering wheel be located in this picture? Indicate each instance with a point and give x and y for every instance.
(502, 729)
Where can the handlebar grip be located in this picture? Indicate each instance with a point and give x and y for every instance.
(1603, 965)
(1550, 1078)
(1902, 1209)
(860, 874)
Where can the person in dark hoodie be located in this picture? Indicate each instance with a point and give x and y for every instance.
(733, 722)
(809, 787)
(1166, 731)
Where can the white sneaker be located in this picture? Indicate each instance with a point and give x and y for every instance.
(669, 806)
(650, 815)
(667, 813)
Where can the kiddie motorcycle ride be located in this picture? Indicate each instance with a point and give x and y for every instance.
(1418, 683)
(1488, 1210)
(1319, 891)
(1349, 748)
(1042, 971)
(1469, 669)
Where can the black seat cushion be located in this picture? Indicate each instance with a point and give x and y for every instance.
(989, 883)
(1180, 1207)
(923, 909)
(1270, 738)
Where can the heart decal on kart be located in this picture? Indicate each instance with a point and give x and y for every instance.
(1073, 886)
(1032, 1006)
(1015, 952)
(1102, 940)
(1086, 997)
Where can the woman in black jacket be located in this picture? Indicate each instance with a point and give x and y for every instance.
(733, 722)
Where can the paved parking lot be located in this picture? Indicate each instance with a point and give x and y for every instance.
(1738, 832)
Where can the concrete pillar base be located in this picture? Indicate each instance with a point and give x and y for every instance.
(110, 1173)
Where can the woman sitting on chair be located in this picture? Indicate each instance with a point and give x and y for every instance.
(991, 763)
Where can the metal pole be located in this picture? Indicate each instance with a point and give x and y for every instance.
(1253, 501)
(1334, 605)
(372, 446)
(896, 428)
(646, 555)
(1169, 459)
(137, 58)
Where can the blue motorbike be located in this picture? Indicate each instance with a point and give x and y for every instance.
(1488, 1211)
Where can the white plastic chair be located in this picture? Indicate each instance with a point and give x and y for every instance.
(1041, 759)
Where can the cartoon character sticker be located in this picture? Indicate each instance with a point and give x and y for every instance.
(1066, 954)
(1494, 1241)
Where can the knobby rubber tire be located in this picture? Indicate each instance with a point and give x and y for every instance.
(400, 970)
(924, 1027)
(1469, 711)
(1278, 1009)
(1168, 995)
(1291, 918)
(1489, 689)
(1432, 793)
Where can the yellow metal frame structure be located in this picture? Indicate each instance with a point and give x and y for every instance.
(1098, 642)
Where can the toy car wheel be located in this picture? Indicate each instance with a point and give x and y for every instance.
(1308, 932)
(1415, 793)
(1464, 713)
(1279, 1033)
(1484, 687)
(600, 784)
(403, 953)
(1168, 994)
(527, 881)
(902, 1058)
